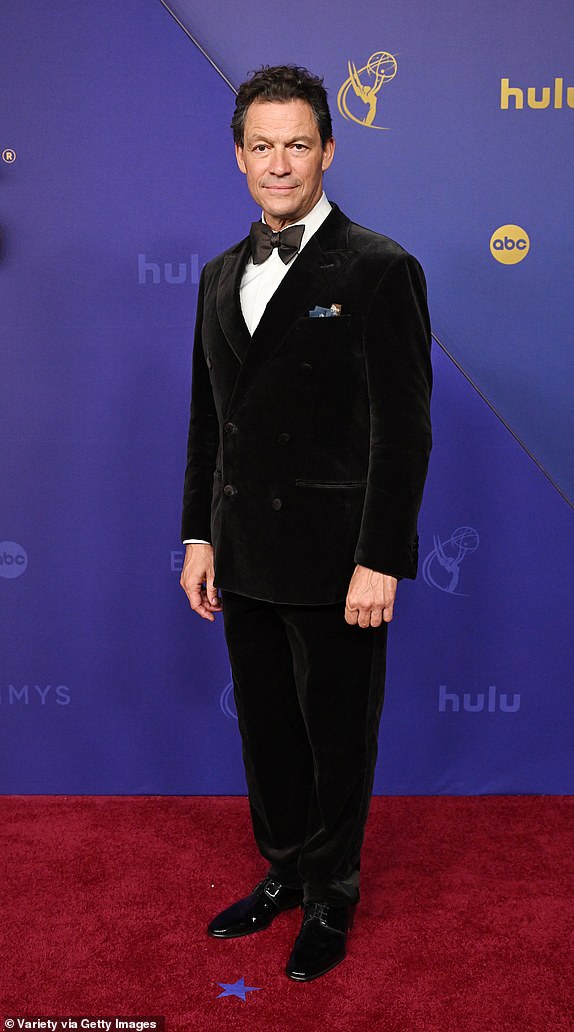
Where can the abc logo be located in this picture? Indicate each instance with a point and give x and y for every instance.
(509, 244)
(13, 559)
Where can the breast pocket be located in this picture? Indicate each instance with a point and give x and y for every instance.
(330, 340)
(336, 324)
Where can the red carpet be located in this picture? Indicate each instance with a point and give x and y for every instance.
(465, 925)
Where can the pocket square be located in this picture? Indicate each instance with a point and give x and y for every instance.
(324, 313)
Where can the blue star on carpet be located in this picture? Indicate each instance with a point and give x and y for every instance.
(237, 989)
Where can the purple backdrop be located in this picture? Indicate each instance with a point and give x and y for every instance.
(118, 184)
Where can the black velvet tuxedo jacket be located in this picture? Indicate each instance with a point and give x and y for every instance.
(309, 441)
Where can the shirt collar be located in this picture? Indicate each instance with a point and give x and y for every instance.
(313, 219)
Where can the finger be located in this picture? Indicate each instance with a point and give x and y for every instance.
(203, 612)
(364, 618)
(198, 602)
(351, 615)
(213, 599)
(388, 612)
(376, 617)
(194, 594)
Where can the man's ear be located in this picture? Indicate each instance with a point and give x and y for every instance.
(239, 157)
(328, 154)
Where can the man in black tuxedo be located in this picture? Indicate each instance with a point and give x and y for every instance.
(308, 447)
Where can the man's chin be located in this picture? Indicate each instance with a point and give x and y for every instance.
(280, 204)
(281, 211)
(280, 200)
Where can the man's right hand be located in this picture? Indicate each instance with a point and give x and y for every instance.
(197, 581)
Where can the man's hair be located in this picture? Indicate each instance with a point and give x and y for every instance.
(282, 83)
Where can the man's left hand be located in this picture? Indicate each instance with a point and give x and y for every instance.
(370, 598)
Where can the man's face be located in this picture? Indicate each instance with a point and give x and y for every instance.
(283, 159)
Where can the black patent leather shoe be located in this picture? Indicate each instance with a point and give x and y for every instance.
(322, 941)
(256, 911)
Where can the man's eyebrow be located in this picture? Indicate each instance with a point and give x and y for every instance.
(259, 136)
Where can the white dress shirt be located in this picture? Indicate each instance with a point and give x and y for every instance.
(259, 282)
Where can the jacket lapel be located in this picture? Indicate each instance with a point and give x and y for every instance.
(315, 271)
(228, 303)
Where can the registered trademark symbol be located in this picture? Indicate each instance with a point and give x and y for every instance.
(8, 155)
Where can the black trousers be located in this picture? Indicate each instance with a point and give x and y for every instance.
(309, 693)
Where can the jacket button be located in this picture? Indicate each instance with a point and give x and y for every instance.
(283, 438)
(229, 427)
(229, 490)
(276, 504)
(306, 368)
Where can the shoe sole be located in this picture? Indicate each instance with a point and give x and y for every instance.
(251, 931)
(310, 978)
(238, 935)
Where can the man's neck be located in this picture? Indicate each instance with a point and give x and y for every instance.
(277, 224)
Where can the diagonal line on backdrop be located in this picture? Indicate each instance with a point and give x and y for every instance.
(467, 377)
(502, 420)
(198, 45)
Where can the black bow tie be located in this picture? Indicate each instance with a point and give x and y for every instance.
(263, 240)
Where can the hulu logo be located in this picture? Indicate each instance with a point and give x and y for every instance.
(556, 96)
(478, 702)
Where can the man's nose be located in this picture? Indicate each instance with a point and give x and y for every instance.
(279, 163)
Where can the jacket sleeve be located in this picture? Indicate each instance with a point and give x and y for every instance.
(399, 378)
(202, 441)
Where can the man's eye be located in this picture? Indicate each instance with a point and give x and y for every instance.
(299, 147)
